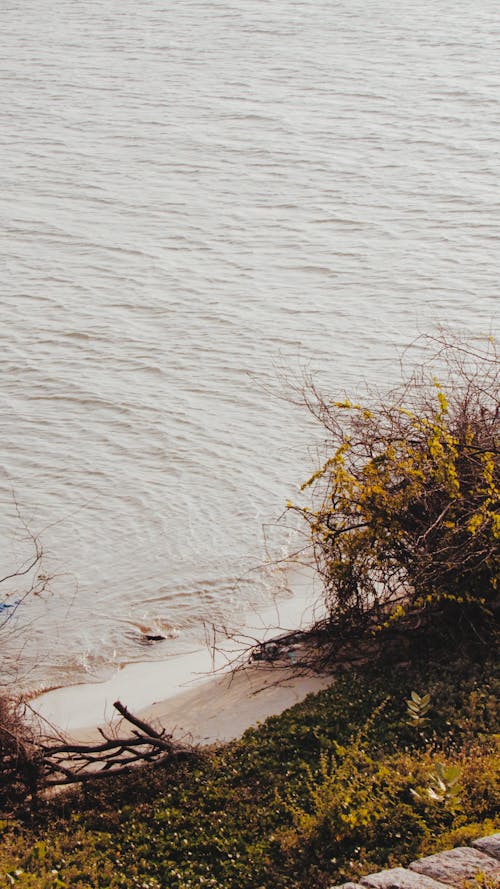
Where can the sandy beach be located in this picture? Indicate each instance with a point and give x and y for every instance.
(196, 694)
(209, 709)
(226, 706)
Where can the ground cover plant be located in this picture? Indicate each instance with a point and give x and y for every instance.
(340, 785)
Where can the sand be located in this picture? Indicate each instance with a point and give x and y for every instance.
(184, 693)
(224, 708)
(193, 694)
(206, 710)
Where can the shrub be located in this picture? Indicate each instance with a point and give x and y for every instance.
(19, 758)
(404, 516)
(20, 751)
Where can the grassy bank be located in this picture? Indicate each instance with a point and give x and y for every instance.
(337, 786)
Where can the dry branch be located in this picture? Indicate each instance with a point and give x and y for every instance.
(66, 763)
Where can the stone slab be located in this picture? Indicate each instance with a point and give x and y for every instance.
(399, 878)
(489, 845)
(456, 865)
(347, 886)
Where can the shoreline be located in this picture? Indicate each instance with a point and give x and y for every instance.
(210, 695)
(207, 709)
(225, 707)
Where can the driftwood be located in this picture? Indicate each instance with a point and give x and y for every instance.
(67, 763)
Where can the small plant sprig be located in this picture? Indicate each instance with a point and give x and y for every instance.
(444, 786)
(417, 709)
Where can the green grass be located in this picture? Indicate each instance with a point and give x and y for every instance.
(334, 787)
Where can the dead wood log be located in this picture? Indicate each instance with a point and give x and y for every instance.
(67, 763)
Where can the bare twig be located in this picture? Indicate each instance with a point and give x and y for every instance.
(66, 763)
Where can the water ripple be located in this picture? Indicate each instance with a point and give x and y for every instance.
(193, 198)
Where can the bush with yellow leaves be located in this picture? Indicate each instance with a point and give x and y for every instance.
(404, 515)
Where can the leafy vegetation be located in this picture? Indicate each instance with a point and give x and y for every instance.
(418, 708)
(335, 787)
(404, 516)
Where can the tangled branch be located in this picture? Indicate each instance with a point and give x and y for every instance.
(68, 763)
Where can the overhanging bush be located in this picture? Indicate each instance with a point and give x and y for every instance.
(404, 516)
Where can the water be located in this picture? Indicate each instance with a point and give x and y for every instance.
(195, 197)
